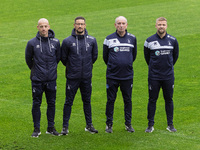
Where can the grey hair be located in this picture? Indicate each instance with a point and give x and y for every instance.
(120, 18)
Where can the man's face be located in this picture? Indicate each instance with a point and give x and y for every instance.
(161, 27)
(121, 25)
(43, 27)
(80, 26)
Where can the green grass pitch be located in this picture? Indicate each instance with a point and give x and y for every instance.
(18, 21)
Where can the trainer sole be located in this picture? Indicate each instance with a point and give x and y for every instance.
(151, 130)
(90, 131)
(52, 133)
(36, 136)
(170, 130)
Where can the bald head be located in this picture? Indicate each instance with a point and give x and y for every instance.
(43, 20)
(43, 27)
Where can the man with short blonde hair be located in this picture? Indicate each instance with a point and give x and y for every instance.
(161, 53)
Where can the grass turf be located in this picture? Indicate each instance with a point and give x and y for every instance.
(18, 25)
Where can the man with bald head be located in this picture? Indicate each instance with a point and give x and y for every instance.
(42, 55)
(119, 53)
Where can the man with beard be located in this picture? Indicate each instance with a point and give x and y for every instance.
(79, 53)
(161, 53)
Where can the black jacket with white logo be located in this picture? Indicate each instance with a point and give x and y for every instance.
(78, 54)
(42, 55)
(119, 53)
(161, 55)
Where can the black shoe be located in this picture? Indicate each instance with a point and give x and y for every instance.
(91, 129)
(149, 129)
(109, 128)
(171, 128)
(52, 130)
(65, 131)
(36, 132)
(129, 128)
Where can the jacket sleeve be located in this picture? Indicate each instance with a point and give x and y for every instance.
(105, 51)
(64, 52)
(29, 55)
(175, 52)
(58, 52)
(135, 50)
(146, 53)
(94, 52)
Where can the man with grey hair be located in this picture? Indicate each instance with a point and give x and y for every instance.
(42, 56)
(161, 52)
(119, 53)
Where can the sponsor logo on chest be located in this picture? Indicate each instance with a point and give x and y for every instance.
(162, 52)
(122, 49)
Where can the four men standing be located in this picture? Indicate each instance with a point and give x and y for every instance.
(79, 52)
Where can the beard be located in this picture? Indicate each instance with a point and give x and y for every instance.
(161, 31)
(79, 31)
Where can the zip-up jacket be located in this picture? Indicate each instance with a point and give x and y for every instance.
(42, 55)
(119, 53)
(161, 55)
(78, 54)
